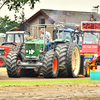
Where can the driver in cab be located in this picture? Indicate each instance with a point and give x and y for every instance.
(47, 37)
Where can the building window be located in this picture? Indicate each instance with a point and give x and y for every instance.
(42, 21)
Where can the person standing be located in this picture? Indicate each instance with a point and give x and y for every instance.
(47, 37)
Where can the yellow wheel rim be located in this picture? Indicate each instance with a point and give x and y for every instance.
(75, 60)
(88, 71)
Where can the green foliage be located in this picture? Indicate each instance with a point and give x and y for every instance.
(17, 4)
(6, 24)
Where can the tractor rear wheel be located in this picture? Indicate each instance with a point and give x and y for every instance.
(50, 66)
(13, 69)
(62, 52)
(87, 69)
(73, 60)
(63, 73)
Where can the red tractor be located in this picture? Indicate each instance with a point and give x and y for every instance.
(90, 53)
(13, 39)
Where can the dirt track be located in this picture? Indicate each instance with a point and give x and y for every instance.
(49, 92)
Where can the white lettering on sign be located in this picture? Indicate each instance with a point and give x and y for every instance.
(89, 46)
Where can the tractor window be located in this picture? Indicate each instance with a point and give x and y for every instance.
(90, 37)
(66, 35)
(18, 38)
(10, 37)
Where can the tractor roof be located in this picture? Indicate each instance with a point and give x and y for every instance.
(15, 32)
(67, 30)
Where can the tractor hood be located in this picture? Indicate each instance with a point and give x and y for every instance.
(89, 48)
(32, 47)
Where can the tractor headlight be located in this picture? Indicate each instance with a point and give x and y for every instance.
(26, 51)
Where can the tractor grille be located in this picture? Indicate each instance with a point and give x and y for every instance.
(30, 46)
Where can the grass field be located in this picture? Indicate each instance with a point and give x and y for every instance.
(45, 82)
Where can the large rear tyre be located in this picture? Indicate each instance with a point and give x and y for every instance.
(50, 66)
(13, 69)
(73, 60)
(62, 52)
(63, 73)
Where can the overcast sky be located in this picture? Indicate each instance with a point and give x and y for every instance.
(73, 5)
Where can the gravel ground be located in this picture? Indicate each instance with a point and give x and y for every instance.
(77, 91)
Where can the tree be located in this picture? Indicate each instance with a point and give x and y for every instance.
(17, 4)
(6, 24)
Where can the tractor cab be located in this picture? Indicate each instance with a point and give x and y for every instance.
(15, 37)
(71, 32)
(66, 34)
(91, 42)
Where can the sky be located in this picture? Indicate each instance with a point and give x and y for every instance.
(73, 5)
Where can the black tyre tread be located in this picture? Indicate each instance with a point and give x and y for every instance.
(62, 52)
(18, 47)
(63, 73)
(8, 63)
(12, 67)
(48, 64)
(69, 60)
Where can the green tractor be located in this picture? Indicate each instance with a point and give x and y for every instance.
(33, 57)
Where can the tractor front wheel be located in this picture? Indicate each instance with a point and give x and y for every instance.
(13, 69)
(50, 66)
